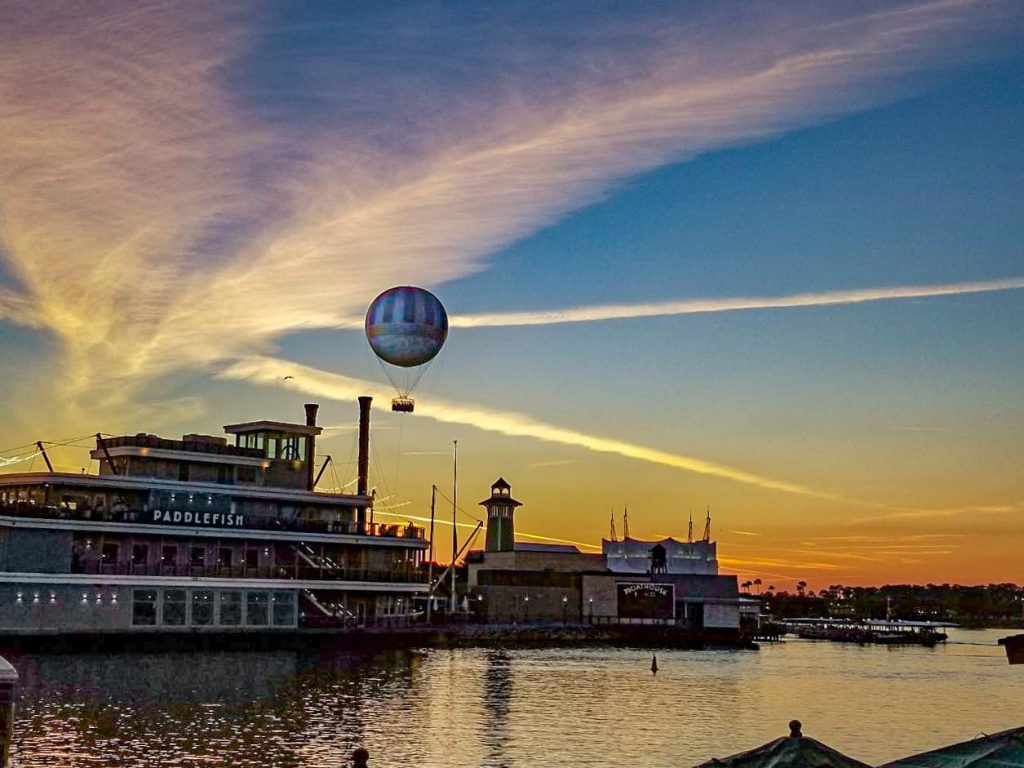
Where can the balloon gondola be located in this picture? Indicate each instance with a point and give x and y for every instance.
(403, 404)
(406, 328)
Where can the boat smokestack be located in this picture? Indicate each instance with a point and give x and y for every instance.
(311, 409)
(364, 451)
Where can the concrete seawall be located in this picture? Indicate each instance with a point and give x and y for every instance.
(455, 635)
(655, 636)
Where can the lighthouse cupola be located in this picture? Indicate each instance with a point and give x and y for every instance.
(501, 532)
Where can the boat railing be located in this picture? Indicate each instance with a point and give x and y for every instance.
(677, 621)
(192, 446)
(293, 572)
(144, 517)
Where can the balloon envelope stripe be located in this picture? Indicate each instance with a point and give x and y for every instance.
(406, 326)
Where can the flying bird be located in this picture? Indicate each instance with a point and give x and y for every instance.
(287, 377)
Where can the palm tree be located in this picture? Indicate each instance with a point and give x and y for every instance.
(746, 585)
(757, 583)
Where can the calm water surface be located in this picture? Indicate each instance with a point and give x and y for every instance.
(518, 708)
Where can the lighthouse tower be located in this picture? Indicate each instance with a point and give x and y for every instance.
(501, 532)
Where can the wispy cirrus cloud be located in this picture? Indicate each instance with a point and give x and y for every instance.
(17, 309)
(553, 463)
(701, 306)
(843, 556)
(867, 539)
(771, 562)
(919, 514)
(123, 154)
(164, 216)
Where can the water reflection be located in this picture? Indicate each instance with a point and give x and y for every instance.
(497, 701)
(507, 709)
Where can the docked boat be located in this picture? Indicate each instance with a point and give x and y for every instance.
(203, 534)
(872, 631)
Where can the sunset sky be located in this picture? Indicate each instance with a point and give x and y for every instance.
(767, 258)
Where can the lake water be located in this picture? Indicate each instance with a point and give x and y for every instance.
(516, 708)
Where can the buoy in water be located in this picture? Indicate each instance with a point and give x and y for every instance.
(654, 664)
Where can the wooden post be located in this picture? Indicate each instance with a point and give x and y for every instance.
(8, 688)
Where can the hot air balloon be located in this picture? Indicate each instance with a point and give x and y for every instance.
(406, 328)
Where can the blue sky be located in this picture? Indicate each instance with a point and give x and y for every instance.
(195, 205)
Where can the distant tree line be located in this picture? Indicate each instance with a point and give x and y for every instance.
(979, 605)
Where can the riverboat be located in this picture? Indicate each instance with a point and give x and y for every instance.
(202, 535)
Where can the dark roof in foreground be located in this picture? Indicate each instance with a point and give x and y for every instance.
(1000, 750)
(793, 751)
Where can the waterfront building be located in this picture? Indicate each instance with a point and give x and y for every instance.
(202, 535)
(630, 581)
(663, 556)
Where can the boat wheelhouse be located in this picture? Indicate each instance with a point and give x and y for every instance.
(202, 534)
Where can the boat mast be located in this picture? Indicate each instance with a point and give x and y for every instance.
(42, 450)
(106, 453)
(455, 531)
(430, 561)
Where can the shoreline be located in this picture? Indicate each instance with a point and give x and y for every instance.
(454, 636)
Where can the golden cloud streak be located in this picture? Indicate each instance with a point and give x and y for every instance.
(312, 381)
(918, 514)
(772, 562)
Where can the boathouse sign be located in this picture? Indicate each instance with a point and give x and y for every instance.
(642, 600)
(211, 519)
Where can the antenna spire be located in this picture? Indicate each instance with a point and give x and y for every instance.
(689, 529)
(614, 537)
(625, 522)
(707, 526)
